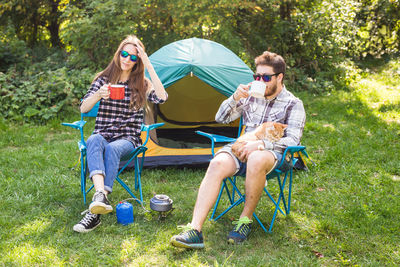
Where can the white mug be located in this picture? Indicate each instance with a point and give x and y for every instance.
(257, 89)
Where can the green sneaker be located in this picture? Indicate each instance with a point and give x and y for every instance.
(189, 238)
(241, 230)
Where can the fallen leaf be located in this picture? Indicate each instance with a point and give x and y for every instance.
(318, 254)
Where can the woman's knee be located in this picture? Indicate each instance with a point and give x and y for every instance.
(94, 139)
(111, 150)
(119, 148)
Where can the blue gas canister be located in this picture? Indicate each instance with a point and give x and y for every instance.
(124, 213)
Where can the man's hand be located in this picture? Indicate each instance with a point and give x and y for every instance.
(248, 148)
(241, 92)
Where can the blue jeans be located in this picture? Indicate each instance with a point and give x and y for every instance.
(103, 157)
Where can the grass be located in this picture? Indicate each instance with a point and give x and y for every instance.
(344, 210)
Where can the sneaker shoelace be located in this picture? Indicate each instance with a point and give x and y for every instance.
(189, 233)
(88, 218)
(185, 228)
(99, 194)
(244, 221)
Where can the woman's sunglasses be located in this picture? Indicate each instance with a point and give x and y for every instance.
(264, 77)
(125, 54)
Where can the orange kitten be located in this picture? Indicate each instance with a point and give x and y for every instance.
(272, 131)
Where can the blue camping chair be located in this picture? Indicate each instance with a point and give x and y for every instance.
(133, 156)
(236, 197)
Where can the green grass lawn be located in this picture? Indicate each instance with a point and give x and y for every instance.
(345, 210)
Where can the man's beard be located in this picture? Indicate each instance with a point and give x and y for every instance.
(272, 90)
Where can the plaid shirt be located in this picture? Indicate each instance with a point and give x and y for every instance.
(284, 108)
(115, 120)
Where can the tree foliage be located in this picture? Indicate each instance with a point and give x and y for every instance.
(316, 37)
(34, 20)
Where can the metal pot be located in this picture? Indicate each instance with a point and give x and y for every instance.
(161, 203)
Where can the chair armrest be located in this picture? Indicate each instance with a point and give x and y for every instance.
(76, 124)
(148, 128)
(151, 126)
(215, 138)
(291, 150)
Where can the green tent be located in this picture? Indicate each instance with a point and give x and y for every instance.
(198, 75)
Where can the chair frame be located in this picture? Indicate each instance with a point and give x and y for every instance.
(289, 152)
(133, 156)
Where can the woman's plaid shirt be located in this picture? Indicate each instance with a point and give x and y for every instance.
(115, 120)
(284, 108)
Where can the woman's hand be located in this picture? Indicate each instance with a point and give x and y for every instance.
(89, 102)
(143, 56)
(158, 86)
(104, 91)
(241, 92)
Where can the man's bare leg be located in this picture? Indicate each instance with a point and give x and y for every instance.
(259, 164)
(222, 166)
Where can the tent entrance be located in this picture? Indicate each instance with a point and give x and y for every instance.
(191, 106)
(187, 138)
(191, 102)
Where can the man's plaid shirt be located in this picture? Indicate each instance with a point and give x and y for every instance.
(115, 120)
(284, 108)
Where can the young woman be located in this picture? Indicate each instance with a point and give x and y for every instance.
(118, 122)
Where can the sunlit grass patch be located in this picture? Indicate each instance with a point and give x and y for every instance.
(28, 254)
(380, 91)
(33, 227)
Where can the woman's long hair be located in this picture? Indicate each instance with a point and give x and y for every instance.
(136, 82)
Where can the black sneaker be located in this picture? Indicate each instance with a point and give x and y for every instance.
(241, 231)
(189, 238)
(88, 223)
(100, 204)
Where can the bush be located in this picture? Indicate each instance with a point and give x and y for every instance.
(42, 91)
(12, 50)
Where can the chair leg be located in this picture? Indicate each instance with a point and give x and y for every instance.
(290, 190)
(138, 169)
(275, 212)
(224, 186)
(273, 201)
(83, 176)
(230, 196)
(139, 166)
(237, 202)
(128, 190)
(281, 197)
(136, 174)
(234, 203)
(241, 199)
(261, 224)
(281, 193)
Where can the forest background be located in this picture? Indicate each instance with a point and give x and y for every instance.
(51, 49)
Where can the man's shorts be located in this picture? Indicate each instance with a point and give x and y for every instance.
(242, 166)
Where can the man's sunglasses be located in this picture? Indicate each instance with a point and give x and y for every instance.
(125, 54)
(264, 77)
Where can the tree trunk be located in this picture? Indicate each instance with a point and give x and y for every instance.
(54, 25)
(284, 9)
(35, 24)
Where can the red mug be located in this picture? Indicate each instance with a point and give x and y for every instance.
(117, 91)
